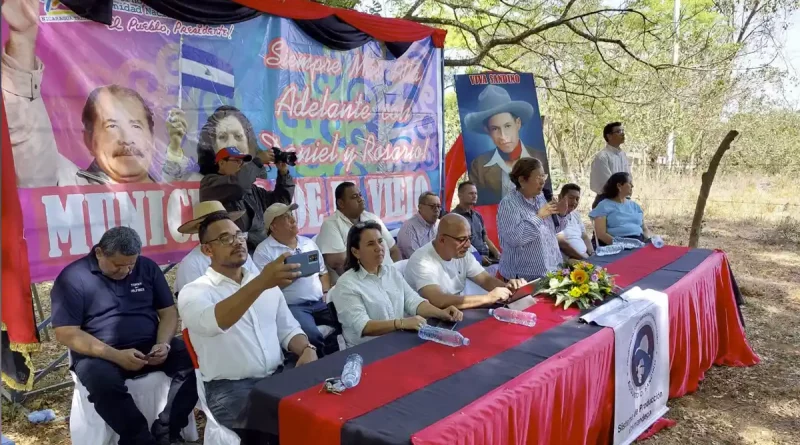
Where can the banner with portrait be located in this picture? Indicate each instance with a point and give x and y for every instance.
(90, 108)
(500, 123)
(640, 320)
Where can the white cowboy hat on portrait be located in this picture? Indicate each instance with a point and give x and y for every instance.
(495, 100)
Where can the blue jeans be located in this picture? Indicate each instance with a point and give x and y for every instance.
(227, 400)
(310, 314)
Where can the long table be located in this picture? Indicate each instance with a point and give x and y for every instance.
(553, 383)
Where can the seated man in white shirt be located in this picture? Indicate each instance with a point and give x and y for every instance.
(238, 322)
(195, 263)
(439, 270)
(573, 241)
(332, 238)
(305, 295)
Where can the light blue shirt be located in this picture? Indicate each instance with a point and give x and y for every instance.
(623, 219)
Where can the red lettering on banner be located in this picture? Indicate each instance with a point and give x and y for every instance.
(478, 79)
(402, 151)
(281, 56)
(299, 104)
(379, 70)
(62, 223)
(503, 78)
(393, 197)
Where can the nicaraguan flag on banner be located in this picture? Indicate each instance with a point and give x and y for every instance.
(203, 70)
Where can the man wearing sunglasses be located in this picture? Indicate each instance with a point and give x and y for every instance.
(611, 159)
(421, 228)
(238, 321)
(439, 270)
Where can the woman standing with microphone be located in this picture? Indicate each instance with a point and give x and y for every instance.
(526, 227)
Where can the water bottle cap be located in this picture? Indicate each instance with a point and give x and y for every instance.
(491, 311)
(466, 340)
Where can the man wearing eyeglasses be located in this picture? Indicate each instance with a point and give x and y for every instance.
(306, 295)
(611, 159)
(421, 228)
(239, 322)
(439, 270)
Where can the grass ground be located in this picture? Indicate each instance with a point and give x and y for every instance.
(757, 222)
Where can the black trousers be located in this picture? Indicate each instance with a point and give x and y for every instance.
(105, 382)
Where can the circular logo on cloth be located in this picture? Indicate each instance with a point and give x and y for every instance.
(642, 355)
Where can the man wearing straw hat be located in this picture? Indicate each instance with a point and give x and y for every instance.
(195, 263)
(501, 118)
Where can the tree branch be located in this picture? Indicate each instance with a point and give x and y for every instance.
(413, 9)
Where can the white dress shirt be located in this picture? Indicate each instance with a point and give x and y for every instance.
(573, 233)
(606, 162)
(508, 186)
(195, 264)
(332, 237)
(302, 289)
(426, 267)
(253, 346)
(360, 296)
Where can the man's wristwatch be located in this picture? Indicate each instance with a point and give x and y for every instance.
(310, 346)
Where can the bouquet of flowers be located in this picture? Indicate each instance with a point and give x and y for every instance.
(581, 282)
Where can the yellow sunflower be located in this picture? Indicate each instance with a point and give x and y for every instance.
(575, 292)
(579, 276)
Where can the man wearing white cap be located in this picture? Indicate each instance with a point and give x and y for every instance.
(195, 263)
(305, 296)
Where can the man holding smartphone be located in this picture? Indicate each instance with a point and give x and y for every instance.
(238, 321)
(306, 295)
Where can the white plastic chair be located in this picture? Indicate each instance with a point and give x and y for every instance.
(149, 394)
(401, 267)
(214, 434)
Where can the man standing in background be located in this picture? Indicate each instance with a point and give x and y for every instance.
(609, 160)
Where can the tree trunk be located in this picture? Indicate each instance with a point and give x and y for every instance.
(705, 188)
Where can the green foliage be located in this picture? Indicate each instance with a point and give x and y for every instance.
(594, 63)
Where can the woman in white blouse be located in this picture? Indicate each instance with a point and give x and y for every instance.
(372, 299)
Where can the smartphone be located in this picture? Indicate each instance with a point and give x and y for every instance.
(308, 261)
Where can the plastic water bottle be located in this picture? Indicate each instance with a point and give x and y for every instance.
(43, 416)
(657, 242)
(351, 374)
(511, 316)
(612, 249)
(628, 243)
(442, 336)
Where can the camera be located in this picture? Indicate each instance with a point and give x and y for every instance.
(284, 156)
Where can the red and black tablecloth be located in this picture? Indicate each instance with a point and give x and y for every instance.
(553, 383)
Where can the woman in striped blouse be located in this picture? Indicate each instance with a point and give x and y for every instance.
(526, 224)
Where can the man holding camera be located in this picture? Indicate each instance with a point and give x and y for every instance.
(234, 186)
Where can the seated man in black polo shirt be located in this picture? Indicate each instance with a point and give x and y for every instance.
(114, 310)
(467, 198)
